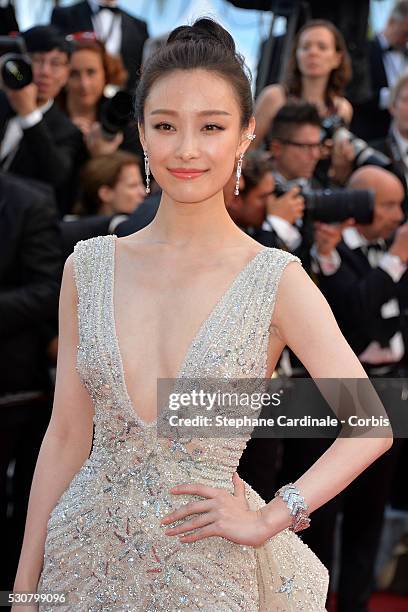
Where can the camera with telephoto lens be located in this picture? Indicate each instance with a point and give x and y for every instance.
(332, 205)
(15, 64)
(116, 114)
(335, 129)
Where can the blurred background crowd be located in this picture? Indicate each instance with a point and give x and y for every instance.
(326, 178)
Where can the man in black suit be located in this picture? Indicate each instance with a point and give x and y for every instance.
(365, 278)
(30, 276)
(122, 34)
(366, 284)
(8, 21)
(395, 144)
(37, 140)
(388, 60)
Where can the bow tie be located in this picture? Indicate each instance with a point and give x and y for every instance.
(374, 251)
(113, 9)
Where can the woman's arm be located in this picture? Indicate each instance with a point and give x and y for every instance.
(304, 321)
(66, 444)
(270, 100)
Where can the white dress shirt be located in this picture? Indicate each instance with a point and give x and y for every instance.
(15, 128)
(285, 230)
(107, 26)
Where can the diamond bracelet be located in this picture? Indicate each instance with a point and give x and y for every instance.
(297, 506)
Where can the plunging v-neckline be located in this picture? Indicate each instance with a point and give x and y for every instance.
(219, 302)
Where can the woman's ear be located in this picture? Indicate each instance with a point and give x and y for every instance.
(105, 194)
(142, 136)
(247, 136)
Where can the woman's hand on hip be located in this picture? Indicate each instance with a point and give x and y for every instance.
(219, 514)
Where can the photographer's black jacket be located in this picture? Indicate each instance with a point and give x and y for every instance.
(50, 151)
(30, 276)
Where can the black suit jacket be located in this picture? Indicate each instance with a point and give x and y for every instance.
(369, 121)
(389, 147)
(78, 18)
(50, 151)
(142, 216)
(356, 293)
(30, 275)
(8, 22)
(82, 229)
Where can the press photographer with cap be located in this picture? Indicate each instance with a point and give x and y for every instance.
(37, 140)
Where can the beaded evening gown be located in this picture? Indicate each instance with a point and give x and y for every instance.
(105, 547)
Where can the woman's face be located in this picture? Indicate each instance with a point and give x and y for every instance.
(86, 81)
(127, 194)
(192, 134)
(316, 52)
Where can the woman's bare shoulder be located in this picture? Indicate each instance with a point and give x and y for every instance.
(273, 93)
(344, 109)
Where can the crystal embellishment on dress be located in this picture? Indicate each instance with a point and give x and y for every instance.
(105, 547)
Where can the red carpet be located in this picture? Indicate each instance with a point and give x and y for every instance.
(381, 602)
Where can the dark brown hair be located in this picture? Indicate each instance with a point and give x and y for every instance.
(290, 118)
(204, 45)
(254, 168)
(339, 77)
(99, 171)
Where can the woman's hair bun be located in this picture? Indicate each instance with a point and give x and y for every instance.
(204, 29)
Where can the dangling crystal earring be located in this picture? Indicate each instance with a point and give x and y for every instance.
(239, 171)
(147, 172)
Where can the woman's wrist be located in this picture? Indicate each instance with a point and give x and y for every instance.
(275, 516)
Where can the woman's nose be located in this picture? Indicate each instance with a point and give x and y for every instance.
(188, 146)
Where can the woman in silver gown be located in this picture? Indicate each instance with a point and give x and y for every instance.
(151, 523)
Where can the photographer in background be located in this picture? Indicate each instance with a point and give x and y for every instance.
(248, 209)
(395, 144)
(294, 143)
(83, 99)
(36, 139)
(30, 277)
(388, 61)
(363, 269)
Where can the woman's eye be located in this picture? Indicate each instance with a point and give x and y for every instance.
(212, 127)
(166, 127)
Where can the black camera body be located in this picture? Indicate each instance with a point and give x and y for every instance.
(333, 205)
(335, 129)
(15, 65)
(116, 114)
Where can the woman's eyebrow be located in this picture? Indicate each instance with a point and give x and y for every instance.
(164, 111)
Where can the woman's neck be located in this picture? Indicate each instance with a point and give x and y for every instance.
(194, 225)
(314, 91)
(76, 109)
